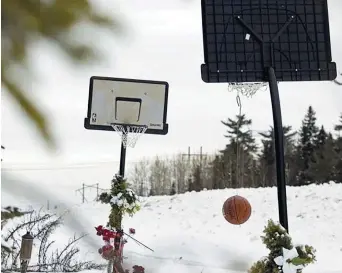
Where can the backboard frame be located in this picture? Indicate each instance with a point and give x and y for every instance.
(89, 126)
(301, 51)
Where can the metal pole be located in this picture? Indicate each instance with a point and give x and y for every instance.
(201, 154)
(83, 189)
(25, 251)
(279, 148)
(97, 191)
(138, 242)
(122, 160)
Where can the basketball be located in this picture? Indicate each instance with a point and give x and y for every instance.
(236, 210)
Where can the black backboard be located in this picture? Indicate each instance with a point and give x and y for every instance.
(243, 38)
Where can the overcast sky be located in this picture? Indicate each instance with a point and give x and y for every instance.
(164, 43)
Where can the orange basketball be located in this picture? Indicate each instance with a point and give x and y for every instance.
(236, 210)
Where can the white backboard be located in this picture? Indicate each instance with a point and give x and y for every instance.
(127, 101)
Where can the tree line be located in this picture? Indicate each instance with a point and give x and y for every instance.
(313, 155)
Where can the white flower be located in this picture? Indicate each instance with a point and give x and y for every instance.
(114, 200)
(120, 203)
(119, 195)
(288, 267)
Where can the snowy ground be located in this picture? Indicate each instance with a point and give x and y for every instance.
(189, 234)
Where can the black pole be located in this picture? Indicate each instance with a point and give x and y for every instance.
(279, 148)
(122, 160)
(138, 242)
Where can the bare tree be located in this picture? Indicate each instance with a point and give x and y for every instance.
(49, 259)
(140, 178)
(180, 173)
(160, 177)
(202, 166)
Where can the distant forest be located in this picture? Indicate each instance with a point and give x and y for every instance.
(312, 156)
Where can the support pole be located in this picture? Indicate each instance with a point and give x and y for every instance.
(83, 193)
(97, 191)
(279, 148)
(122, 160)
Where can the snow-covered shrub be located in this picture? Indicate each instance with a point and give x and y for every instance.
(283, 256)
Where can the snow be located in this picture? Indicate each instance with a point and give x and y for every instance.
(189, 235)
(5, 244)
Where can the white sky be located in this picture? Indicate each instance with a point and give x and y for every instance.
(164, 43)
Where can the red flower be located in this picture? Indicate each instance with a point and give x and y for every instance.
(107, 252)
(99, 230)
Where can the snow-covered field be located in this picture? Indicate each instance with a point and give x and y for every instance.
(188, 233)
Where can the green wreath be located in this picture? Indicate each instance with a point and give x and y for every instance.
(122, 200)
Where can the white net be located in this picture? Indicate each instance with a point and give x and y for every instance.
(247, 89)
(129, 133)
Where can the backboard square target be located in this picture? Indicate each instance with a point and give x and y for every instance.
(243, 38)
(120, 101)
(127, 110)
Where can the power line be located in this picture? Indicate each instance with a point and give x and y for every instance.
(65, 167)
(189, 154)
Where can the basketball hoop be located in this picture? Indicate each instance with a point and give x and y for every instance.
(247, 89)
(129, 133)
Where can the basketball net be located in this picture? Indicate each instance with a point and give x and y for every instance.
(247, 89)
(129, 133)
(238, 125)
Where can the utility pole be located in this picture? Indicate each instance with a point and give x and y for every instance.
(83, 193)
(2, 148)
(189, 154)
(97, 191)
(92, 186)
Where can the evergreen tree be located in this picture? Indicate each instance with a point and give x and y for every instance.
(267, 156)
(306, 147)
(323, 169)
(321, 138)
(267, 164)
(338, 150)
(338, 127)
(239, 151)
(237, 132)
(338, 130)
(51, 21)
(338, 169)
(23, 23)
